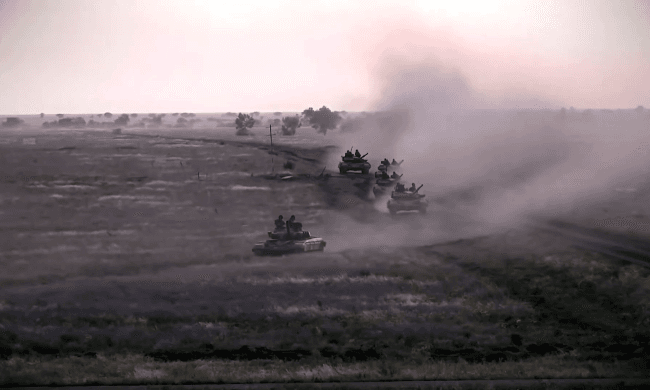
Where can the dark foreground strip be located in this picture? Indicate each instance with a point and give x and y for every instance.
(547, 384)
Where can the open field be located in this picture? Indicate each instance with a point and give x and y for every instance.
(127, 259)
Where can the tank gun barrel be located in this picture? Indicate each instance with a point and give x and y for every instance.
(418, 189)
(365, 155)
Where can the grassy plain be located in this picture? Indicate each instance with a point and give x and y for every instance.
(127, 259)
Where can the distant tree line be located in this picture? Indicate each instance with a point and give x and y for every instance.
(322, 120)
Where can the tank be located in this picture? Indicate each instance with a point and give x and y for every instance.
(382, 185)
(354, 164)
(283, 243)
(407, 201)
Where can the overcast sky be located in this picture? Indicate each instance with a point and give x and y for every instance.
(79, 56)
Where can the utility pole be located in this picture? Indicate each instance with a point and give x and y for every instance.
(272, 163)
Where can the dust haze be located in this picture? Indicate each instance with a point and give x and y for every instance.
(488, 163)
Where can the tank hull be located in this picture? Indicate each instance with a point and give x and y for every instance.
(397, 205)
(364, 166)
(284, 247)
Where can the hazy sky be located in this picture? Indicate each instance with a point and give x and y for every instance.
(210, 56)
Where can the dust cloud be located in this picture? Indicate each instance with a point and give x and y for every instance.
(485, 166)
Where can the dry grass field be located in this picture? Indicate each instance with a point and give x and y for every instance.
(127, 259)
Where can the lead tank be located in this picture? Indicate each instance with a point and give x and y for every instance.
(282, 242)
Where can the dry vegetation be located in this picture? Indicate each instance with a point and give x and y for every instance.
(127, 260)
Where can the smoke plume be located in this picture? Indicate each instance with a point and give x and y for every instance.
(483, 169)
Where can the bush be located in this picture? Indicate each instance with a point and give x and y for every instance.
(122, 120)
(322, 120)
(12, 121)
(290, 124)
(243, 123)
(108, 114)
(66, 122)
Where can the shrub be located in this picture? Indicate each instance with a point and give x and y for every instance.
(122, 120)
(290, 124)
(322, 120)
(12, 121)
(243, 123)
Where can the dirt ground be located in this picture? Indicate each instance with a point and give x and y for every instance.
(140, 243)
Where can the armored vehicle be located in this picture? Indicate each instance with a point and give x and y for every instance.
(407, 201)
(382, 185)
(283, 242)
(354, 164)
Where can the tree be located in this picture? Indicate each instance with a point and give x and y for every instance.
(277, 113)
(108, 114)
(122, 120)
(12, 121)
(322, 120)
(243, 123)
(639, 109)
(290, 124)
(59, 115)
(42, 114)
(134, 115)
